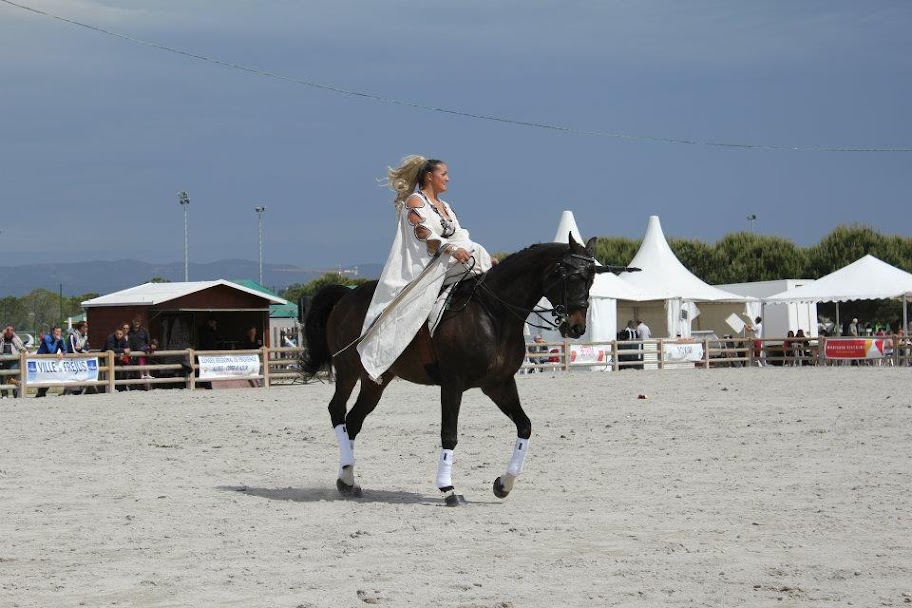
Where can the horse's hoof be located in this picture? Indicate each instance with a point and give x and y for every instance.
(499, 490)
(348, 491)
(454, 500)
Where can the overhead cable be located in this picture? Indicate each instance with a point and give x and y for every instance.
(464, 114)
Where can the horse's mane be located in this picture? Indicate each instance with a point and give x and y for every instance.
(511, 266)
(516, 262)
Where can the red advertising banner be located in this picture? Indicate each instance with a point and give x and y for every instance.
(858, 348)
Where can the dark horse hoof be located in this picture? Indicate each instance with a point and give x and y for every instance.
(499, 490)
(454, 500)
(353, 491)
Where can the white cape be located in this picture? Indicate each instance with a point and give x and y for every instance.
(409, 285)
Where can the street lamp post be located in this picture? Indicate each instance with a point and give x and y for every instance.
(185, 203)
(259, 212)
(752, 218)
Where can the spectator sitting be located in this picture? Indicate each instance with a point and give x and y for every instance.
(799, 348)
(10, 344)
(52, 343)
(118, 343)
(787, 348)
(538, 346)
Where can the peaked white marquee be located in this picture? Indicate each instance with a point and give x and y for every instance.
(868, 278)
(664, 277)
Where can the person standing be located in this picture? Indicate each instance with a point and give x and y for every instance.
(140, 343)
(52, 343)
(250, 341)
(77, 343)
(757, 330)
(642, 330)
(78, 340)
(10, 344)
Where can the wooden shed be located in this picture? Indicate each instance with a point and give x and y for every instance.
(174, 313)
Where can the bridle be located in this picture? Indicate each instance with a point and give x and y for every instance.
(571, 265)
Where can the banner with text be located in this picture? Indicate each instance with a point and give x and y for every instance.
(61, 371)
(858, 348)
(688, 351)
(583, 353)
(235, 366)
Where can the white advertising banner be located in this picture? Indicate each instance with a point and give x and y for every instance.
(584, 353)
(61, 371)
(235, 366)
(687, 351)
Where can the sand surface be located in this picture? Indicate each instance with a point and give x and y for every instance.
(728, 487)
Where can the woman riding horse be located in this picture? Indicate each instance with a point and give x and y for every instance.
(477, 342)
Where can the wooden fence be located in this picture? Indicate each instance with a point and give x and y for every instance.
(727, 352)
(161, 369)
(278, 366)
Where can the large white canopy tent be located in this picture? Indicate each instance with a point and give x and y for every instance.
(674, 291)
(868, 278)
(607, 289)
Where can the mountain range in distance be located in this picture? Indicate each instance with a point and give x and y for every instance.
(103, 277)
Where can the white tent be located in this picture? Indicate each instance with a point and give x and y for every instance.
(865, 279)
(666, 279)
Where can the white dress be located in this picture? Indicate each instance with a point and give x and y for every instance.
(411, 280)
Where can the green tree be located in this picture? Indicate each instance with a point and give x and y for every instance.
(843, 246)
(294, 292)
(615, 251)
(744, 257)
(696, 256)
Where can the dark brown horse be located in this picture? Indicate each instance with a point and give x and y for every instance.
(478, 343)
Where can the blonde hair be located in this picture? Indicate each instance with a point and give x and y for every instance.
(404, 179)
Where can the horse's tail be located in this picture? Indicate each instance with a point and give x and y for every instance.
(317, 356)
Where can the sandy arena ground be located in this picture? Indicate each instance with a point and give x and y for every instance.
(741, 487)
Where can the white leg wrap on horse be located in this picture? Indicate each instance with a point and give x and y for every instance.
(445, 469)
(520, 449)
(346, 448)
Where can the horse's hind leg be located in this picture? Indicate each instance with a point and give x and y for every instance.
(346, 432)
(506, 397)
(345, 384)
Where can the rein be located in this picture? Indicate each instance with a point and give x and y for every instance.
(559, 312)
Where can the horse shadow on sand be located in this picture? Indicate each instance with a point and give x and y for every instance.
(329, 494)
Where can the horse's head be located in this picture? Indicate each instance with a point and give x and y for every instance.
(567, 287)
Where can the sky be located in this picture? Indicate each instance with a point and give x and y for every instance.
(609, 109)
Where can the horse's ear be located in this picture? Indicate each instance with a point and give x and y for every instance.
(590, 246)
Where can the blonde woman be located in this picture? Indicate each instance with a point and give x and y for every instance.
(430, 249)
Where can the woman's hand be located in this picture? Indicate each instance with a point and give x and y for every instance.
(461, 255)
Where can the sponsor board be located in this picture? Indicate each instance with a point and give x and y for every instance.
(687, 351)
(61, 371)
(234, 366)
(858, 348)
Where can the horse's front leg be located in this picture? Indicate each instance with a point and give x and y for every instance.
(506, 397)
(450, 402)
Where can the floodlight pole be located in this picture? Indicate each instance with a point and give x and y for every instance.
(752, 218)
(185, 203)
(259, 212)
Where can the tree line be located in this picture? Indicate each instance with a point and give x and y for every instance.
(739, 257)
